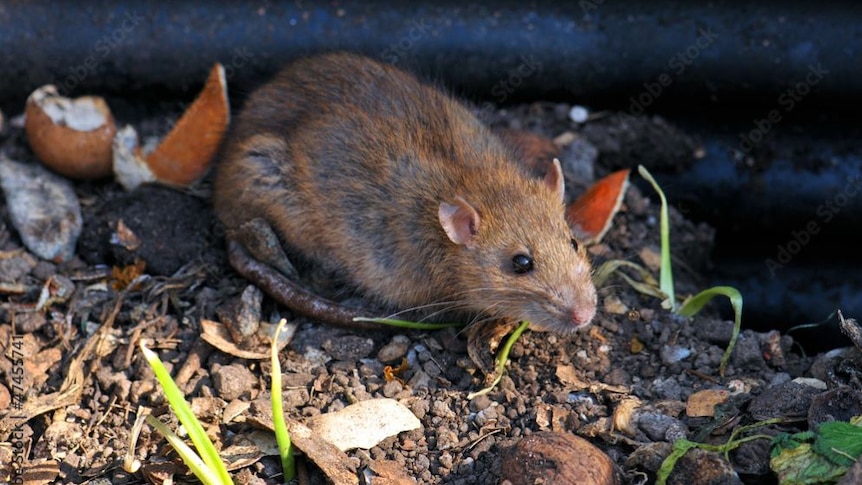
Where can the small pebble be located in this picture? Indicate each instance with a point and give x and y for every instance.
(395, 350)
(671, 354)
(479, 403)
(349, 347)
(578, 114)
(233, 381)
(392, 388)
(43, 208)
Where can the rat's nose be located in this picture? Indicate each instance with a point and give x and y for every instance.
(583, 315)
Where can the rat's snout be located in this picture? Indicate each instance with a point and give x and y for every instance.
(583, 315)
(585, 309)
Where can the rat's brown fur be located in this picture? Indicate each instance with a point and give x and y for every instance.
(349, 161)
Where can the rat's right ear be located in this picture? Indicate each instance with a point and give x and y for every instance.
(554, 179)
(460, 221)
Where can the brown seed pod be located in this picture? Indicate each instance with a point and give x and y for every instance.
(549, 457)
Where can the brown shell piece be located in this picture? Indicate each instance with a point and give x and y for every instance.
(187, 151)
(71, 136)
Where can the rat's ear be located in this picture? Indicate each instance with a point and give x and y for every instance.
(459, 220)
(554, 179)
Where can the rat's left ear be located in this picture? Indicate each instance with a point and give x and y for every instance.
(460, 221)
(554, 180)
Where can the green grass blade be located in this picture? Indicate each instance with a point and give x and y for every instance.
(695, 303)
(394, 322)
(282, 436)
(501, 359)
(608, 268)
(647, 286)
(680, 448)
(184, 413)
(666, 275)
(190, 458)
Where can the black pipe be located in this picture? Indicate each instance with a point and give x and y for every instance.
(699, 57)
(635, 53)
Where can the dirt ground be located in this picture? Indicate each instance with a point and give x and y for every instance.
(85, 383)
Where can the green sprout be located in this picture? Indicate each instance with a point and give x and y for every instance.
(501, 359)
(285, 447)
(665, 288)
(207, 466)
(394, 322)
(681, 447)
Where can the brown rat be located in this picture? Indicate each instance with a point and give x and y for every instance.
(388, 182)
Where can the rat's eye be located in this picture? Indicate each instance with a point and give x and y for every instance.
(575, 245)
(522, 264)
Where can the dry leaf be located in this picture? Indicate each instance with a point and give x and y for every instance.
(364, 424)
(123, 277)
(331, 461)
(391, 373)
(217, 335)
(702, 403)
(390, 472)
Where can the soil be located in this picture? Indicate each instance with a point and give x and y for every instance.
(85, 383)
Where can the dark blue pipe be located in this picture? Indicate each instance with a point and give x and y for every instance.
(706, 53)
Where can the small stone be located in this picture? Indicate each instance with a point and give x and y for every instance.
(747, 351)
(788, 400)
(44, 270)
(420, 380)
(718, 332)
(839, 404)
(29, 322)
(43, 208)
(392, 388)
(446, 439)
(445, 460)
(479, 403)
(233, 381)
(579, 114)
(703, 467)
(659, 426)
(395, 350)
(578, 161)
(441, 409)
(349, 347)
(420, 408)
(671, 354)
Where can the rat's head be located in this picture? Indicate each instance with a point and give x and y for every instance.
(516, 256)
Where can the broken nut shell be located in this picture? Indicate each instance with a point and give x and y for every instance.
(71, 136)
